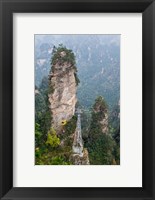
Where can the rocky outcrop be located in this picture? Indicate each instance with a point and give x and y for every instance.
(115, 116)
(36, 91)
(63, 86)
(101, 113)
(80, 159)
(80, 154)
(78, 143)
(63, 83)
(104, 123)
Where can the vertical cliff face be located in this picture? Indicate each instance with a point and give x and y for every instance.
(63, 83)
(63, 86)
(101, 112)
(104, 124)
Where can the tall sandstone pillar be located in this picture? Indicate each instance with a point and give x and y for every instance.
(62, 96)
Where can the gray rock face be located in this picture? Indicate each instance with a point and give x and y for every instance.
(62, 100)
(78, 143)
(80, 159)
(63, 96)
(80, 154)
(104, 123)
(100, 109)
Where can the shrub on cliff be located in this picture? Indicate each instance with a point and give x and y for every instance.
(61, 53)
(52, 138)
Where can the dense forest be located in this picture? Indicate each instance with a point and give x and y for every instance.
(95, 69)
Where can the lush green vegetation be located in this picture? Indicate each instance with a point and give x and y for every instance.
(56, 149)
(70, 127)
(102, 148)
(52, 148)
(52, 138)
(50, 152)
(63, 55)
(42, 111)
(57, 55)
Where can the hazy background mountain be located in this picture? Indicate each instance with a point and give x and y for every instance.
(98, 64)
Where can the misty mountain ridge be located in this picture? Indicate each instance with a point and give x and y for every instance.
(97, 60)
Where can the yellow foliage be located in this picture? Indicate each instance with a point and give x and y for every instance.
(52, 138)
